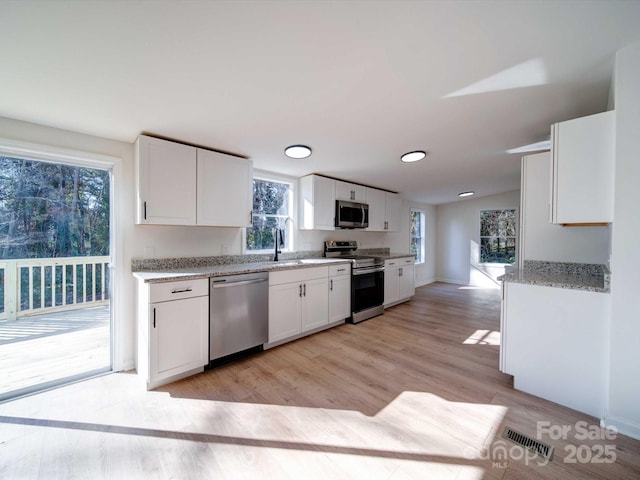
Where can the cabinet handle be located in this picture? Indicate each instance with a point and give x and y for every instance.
(251, 217)
(189, 289)
(341, 269)
(145, 210)
(300, 290)
(154, 317)
(400, 272)
(353, 194)
(304, 290)
(386, 225)
(331, 285)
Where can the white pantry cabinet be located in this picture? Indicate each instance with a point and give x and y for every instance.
(384, 210)
(183, 185)
(166, 181)
(583, 155)
(317, 203)
(399, 284)
(553, 342)
(173, 330)
(350, 192)
(339, 292)
(224, 190)
(298, 301)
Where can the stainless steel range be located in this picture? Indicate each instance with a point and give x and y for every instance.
(367, 279)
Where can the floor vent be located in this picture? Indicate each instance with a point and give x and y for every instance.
(545, 451)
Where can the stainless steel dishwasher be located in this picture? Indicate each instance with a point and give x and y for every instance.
(238, 313)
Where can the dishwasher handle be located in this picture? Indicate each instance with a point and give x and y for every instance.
(226, 284)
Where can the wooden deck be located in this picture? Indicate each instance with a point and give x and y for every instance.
(44, 349)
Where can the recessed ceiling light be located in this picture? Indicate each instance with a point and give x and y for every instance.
(466, 194)
(297, 151)
(413, 156)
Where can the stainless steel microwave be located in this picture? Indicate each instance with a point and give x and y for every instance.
(351, 214)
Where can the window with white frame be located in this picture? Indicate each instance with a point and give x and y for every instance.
(272, 209)
(498, 236)
(417, 235)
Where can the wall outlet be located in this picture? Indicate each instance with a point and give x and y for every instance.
(224, 249)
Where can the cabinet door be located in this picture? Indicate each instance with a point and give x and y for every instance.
(377, 209)
(284, 311)
(179, 336)
(225, 190)
(339, 297)
(317, 203)
(166, 181)
(406, 286)
(393, 210)
(391, 282)
(315, 303)
(350, 191)
(583, 153)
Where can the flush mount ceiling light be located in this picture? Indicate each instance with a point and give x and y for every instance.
(413, 156)
(297, 151)
(466, 194)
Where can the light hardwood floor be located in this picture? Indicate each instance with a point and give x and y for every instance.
(413, 394)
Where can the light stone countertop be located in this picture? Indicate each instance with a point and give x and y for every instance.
(588, 277)
(196, 272)
(172, 269)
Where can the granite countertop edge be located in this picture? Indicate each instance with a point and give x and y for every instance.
(173, 269)
(589, 283)
(195, 273)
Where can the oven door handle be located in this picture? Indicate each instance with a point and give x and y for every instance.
(365, 270)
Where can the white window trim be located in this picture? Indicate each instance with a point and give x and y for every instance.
(516, 237)
(423, 246)
(290, 226)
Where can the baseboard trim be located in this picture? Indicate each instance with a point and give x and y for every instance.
(454, 281)
(623, 426)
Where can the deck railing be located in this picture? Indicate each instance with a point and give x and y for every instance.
(39, 285)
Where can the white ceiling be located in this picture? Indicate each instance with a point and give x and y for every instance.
(361, 82)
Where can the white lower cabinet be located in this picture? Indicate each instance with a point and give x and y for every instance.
(298, 301)
(339, 292)
(399, 282)
(553, 342)
(173, 335)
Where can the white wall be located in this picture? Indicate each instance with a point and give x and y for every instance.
(624, 388)
(458, 231)
(542, 240)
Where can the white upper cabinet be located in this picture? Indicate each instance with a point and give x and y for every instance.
(166, 179)
(224, 186)
(384, 210)
(184, 185)
(350, 192)
(377, 215)
(317, 203)
(393, 211)
(583, 154)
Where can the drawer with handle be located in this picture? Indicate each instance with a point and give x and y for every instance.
(341, 269)
(164, 292)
